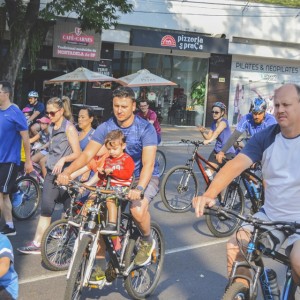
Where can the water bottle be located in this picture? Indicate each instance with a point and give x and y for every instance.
(209, 174)
(274, 289)
(254, 188)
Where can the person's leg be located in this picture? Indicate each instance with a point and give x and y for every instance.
(42, 164)
(37, 157)
(111, 226)
(295, 262)
(140, 213)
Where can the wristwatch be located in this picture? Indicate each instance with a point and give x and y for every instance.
(140, 188)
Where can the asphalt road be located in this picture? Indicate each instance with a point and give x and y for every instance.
(195, 262)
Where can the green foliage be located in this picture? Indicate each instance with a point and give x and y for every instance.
(198, 89)
(92, 14)
(288, 3)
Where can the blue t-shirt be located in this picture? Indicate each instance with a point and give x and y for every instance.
(140, 134)
(83, 143)
(10, 280)
(223, 136)
(40, 107)
(247, 124)
(280, 161)
(12, 121)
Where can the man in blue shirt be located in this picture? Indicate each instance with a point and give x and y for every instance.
(141, 145)
(13, 129)
(9, 288)
(251, 123)
(38, 111)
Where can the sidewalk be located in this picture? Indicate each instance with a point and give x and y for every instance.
(172, 134)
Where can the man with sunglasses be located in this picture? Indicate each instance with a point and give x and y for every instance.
(251, 123)
(38, 111)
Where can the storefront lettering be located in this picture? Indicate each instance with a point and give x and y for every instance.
(265, 68)
(189, 42)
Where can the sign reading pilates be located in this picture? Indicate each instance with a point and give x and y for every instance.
(178, 41)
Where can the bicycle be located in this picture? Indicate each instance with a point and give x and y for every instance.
(262, 244)
(162, 162)
(27, 195)
(59, 238)
(139, 281)
(180, 185)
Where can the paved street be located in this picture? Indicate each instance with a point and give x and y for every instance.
(194, 263)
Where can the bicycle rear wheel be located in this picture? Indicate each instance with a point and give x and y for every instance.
(142, 281)
(162, 162)
(57, 245)
(221, 226)
(26, 200)
(75, 282)
(237, 291)
(178, 187)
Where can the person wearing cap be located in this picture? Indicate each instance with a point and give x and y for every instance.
(43, 138)
(38, 111)
(219, 131)
(255, 121)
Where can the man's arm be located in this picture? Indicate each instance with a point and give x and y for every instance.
(33, 116)
(25, 137)
(4, 265)
(232, 169)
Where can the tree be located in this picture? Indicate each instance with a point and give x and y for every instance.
(28, 25)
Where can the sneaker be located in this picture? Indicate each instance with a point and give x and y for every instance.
(97, 276)
(30, 248)
(17, 199)
(109, 229)
(8, 231)
(143, 256)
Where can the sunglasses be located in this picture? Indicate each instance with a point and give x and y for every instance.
(215, 112)
(52, 113)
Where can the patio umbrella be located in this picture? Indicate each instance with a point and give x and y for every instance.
(144, 78)
(82, 75)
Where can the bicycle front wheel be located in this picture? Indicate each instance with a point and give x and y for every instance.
(26, 200)
(57, 245)
(142, 281)
(178, 187)
(237, 291)
(75, 282)
(221, 226)
(162, 162)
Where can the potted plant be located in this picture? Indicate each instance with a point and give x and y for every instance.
(198, 90)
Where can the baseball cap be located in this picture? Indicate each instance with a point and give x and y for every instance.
(44, 120)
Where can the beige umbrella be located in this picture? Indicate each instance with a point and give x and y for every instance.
(82, 75)
(144, 78)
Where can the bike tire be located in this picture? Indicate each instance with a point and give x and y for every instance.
(30, 198)
(57, 245)
(178, 187)
(221, 226)
(74, 282)
(237, 291)
(162, 162)
(142, 281)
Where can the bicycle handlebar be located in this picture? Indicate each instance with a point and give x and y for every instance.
(196, 143)
(227, 213)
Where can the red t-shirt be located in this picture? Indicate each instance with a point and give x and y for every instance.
(151, 116)
(123, 168)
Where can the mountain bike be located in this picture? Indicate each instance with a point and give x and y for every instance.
(27, 194)
(139, 281)
(264, 242)
(59, 238)
(180, 185)
(162, 162)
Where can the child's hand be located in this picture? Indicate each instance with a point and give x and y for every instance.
(108, 171)
(101, 170)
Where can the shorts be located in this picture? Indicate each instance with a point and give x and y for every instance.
(8, 176)
(151, 189)
(275, 238)
(212, 156)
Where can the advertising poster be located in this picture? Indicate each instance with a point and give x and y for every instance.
(253, 80)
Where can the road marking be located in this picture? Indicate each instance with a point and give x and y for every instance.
(202, 245)
(171, 251)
